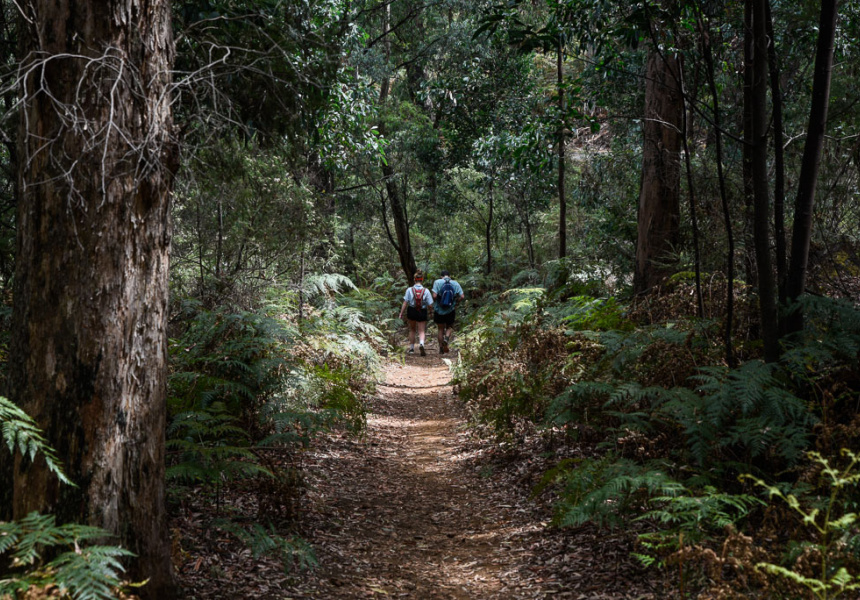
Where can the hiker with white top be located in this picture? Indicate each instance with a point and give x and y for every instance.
(446, 293)
(416, 301)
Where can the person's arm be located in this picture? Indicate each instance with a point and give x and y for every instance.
(405, 303)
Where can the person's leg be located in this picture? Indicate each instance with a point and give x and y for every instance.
(421, 328)
(412, 325)
(440, 330)
(449, 331)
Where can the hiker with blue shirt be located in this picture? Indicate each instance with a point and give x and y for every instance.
(446, 293)
(416, 301)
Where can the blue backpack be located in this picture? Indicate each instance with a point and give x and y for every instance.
(446, 295)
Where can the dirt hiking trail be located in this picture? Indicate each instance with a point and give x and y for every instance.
(412, 511)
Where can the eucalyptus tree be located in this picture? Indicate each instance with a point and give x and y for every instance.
(90, 312)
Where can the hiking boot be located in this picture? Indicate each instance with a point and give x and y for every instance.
(421, 349)
(411, 350)
(444, 347)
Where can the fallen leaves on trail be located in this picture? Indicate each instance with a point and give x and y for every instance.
(420, 507)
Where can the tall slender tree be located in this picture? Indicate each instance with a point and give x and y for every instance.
(759, 172)
(562, 126)
(90, 310)
(805, 201)
(403, 244)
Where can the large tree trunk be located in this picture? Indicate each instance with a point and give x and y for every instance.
(660, 194)
(802, 232)
(89, 345)
(761, 193)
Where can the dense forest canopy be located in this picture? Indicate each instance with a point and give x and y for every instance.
(210, 211)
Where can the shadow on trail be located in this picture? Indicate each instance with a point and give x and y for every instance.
(406, 513)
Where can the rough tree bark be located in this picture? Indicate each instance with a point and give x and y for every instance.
(660, 192)
(89, 345)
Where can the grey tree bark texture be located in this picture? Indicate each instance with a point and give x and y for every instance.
(89, 342)
(660, 192)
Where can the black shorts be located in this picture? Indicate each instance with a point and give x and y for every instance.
(446, 319)
(415, 314)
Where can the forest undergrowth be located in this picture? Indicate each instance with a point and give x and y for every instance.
(736, 482)
(615, 428)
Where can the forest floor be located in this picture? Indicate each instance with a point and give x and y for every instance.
(420, 507)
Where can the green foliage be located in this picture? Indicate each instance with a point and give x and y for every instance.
(337, 398)
(226, 357)
(210, 448)
(747, 408)
(688, 517)
(82, 572)
(830, 341)
(605, 490)
(725, 417)
(21, 433)
(832, 526)
(291, 552)
(595, 314)
(242, 382)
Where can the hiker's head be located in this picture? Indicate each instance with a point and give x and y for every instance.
(445, 273)
(419, 276)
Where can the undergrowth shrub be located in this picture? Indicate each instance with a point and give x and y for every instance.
(660, 427)
(826, 561)
(250, 389)
(83, 568)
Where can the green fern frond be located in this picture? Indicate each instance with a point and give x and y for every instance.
(84, 572)
(267, 542)
(21, 433)
(325, 284)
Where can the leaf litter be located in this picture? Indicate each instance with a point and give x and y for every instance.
(421, 506)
